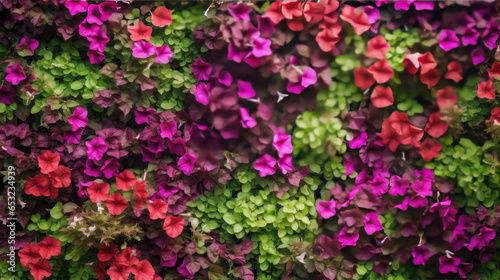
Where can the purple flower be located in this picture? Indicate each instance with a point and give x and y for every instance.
(202, 93)
(398, 185)
(94, 15)
(235, 53)
(372, 13)
(225, 78)
(82, 190)
(7, 94)
(402, 5)
(423, 5)
(96, 148)
(448, 264)
(421, 254)
(186, 163)
(185, 270)
(240, 11)
(481, 239)
(283, 143)
(379, 185)
(168, 129)
(285, 164)
(261, 47)
(76, 7)
(85, 28)
(464, 268)
(143, 49)
(477, 55)
(142, 114)
(97, 39)
(358, 140)
(163, 54)
(245, 89)
(177, 146)
(246, 120)
(107, 8)
(469, 36)
(27, 43)
(372, 223)
(95, 57)
(78, 119)
(73, 137)
(309, 77)
(490, 35)
(201, 69)
(93, 168)
(448, 40)
(15, 74)
(417, 201)
(403, 205)
(348, 236)
(265, 165)
(326, 209)
(110, 168)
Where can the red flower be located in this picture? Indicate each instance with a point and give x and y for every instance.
(49, 247)
(397, 129)
(100, 269)
(143, 270)
(381, 71)
(140, 32)
(313, 12)
(61, 177)
(495, 115)
(378, 47)
(48, 162)
(362, 78)
(116, 204)
(161, 16)
(157, 209)
(430, 78)
(328, 37)
(119, 271)
(382, 97)
(173, 226)
(125, 180)
(274, 12)
(436, 127)
(454, 72)
(40, 269)
(410, 62)
(494, 70)
(427, 62)
(53, 192)
(98, 191)
(38, 185)
(140, 193)
(356, 17)
(127, 257)
(29, 255)
(446, 97)
(107, 252)
(430, 149)
(486, 90)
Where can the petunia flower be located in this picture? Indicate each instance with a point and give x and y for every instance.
(495, 116)
(61, 177)
(421, 254)
(358, 141)
(125, 180)
(157, 209)
(119, 271)
(245, 89)
(168, 129)
(426, 62)
(185, 270)
(95, 57)
(76, 7)
(143, 49)
(97, 39)
(490, 35)
(140, 32)
(107, 252)
(110, 168)
(261, 47)
(173, 226)
(494, 71)
(15, 74)
(265, 165)
(98, 192)
(27, 46)
(78, 119)
(40, 269)
(285, 164)
(481, 239)
(356, 17)
(377, 47)
(362, 78)
(448, 264)
(454, 71)
(470, 36)
(142, 114)
(246, 120)
(382, 97)
(7, 94)
(486, 90)
(477, 55)
(446, 97)
(161, 16)
(326, 209)
(49, 247)
(436, 127)
(94, 15)
(225, 78)
(186, 163)
(38, 185)
(381, 71)
(96, 148)
(202, 93)
(240, 11)
(48, 162)
(163, 54)
(372, 223)
(201, 69)
(308, 77)
(448, 40)
(127, 257)
(411, 62)
(143, 270)
(348, 236)
(29, 255)
(282, 143)
(116, 204)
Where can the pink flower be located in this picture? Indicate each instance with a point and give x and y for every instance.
(95, 57)
(27, 43)
(15, 74)
(265, 165)
(168, 129)
(421, 254)
(96, 148)
(285, 164)
(448, 40)
(7, 94)
(143, 49)
(201, 69)
(309, 77)
(261, 47)
(186, 163)
(142, 114)
(163, 54)
(477, 55)
(94, 15)
(326, 209)
(398, 185)
(97, 39)
(78, 119)
(470, 36)
(246, 120)
(372, 223)
(481, 239)
(245, 89)
(447, 265)
(283, 143)
(348, 236)
(73, 137)
(202, 93)
(76, 7)
(110, 168)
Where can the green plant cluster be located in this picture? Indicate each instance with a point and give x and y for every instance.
(477, 109)
(246, 208)
(402, 40)
(395, 271)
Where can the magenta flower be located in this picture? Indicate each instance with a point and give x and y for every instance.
(402, 5)
(448, 40)
(261, 47)
(309, 77)
(348, 236)
(143, 49)
(417, 201)
(94, 15)
(372, 13)
(372, 223)
(481, 239)
(186, 163)
(107, 8)
(265, 165)
(421, 254)
(7, 94)
(245, 89)
(96, 148)
(73, 137)
(85, 28)
(240, 11)
(490, 35)
(95, 57)
(177, 146)
(398, 185)
(78, 119)
(163, 54)
(379, 185)
(76, 7)
(110, 168)
(477, 55)
(403, 205)
(469, 36)
(358, 140)
(185, 270)
(246, 120)
(201, 69)
(326, 209)
(93, 168)
(283, 143)
(28, 44)
(97, 39)
(225, 78)
(423, 5)
(168, 129)
(142, 114)
(202, 93)
(15, 74)
(285, 164)
(464, 268)
(448, 264)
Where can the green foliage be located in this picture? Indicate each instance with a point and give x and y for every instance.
(478, 109)
(399, 40)
(395, 271)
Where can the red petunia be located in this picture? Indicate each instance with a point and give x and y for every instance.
(98, 191)
(119, 271)
(357, 18)
(127, 257)
(446, 97)
(140, 31)
(53, 192)
(436, 127)
(173, 226)
(100, 269)
(157, 209)
(48, 162)
(293, 13)
(161, 16)
(486, 90)
(381, 71)
(274, 12)
(382, 97)
(430, 149)
(29, 254)
(313, 12)
(329, 36)
(427, 62)
(454, 72)
(107, 252)
(377, 47)
(38, 185)
(430, 78)
(495, 115)
(397, 129)
(61, 177)
(143, 270)
(125, 180)
(116, 204)
(494, 71)
(141, 193)
(49, 247)
(410, 62)
(362, 78)
(40, 269)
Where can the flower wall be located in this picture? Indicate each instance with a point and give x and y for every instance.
(250, 140)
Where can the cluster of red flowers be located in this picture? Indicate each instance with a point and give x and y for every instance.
(36, 256)
(119, 265)
(487, 90)
(160, 17)
(53, 177)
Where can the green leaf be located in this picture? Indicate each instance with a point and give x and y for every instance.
(229, 218)
(56, 211)
(238, 227)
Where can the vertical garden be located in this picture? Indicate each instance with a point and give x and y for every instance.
(158, 140)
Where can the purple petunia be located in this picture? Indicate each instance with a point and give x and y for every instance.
(261, 47)
(15, 73)
(477, 55)
(27, 43)
(186, 163)
(348, 236)
(97, 39)
(73, 137)
(245, 89)
(470, 36)
(308, 77)
(481, 239)
(265, 165)
(142, 114)
(358, 140)
(421, 254)
(163, 54)
(76, 7)
(95, 57)
(201, 69)
(283, 143)
(240, 11)
(326, 209)
(448, 40)
(202, 93)
(110, 168)
(78, 119)
(246, 120)
(398, 185)
(96, 148)
(285, 164)
(7, 94)
(448, 264)
(372, 223)
(168, 129)
(143, 49)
